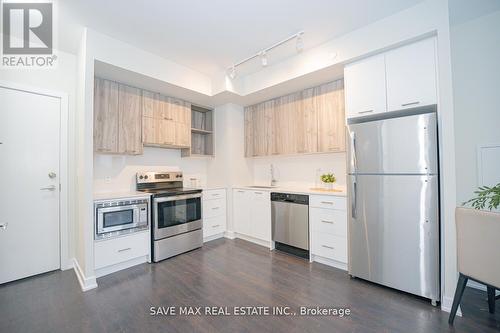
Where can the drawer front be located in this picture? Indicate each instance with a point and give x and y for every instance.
(212, 208)
(214, 225)
(214, 194)
(328, 202)
(114, 251)
(329, 246)
(329, 221)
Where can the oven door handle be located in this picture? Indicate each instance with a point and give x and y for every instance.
(178, 197)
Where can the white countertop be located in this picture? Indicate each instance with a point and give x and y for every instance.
(296, 190)
(119, 195)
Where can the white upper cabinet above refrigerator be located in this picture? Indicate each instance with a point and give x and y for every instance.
(411, 75)
(398, 79)
(365, 87)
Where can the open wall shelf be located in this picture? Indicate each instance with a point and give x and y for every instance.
(202, 132)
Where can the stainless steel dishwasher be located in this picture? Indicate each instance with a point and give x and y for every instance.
(290, 223)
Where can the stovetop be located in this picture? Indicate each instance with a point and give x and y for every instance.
(171, 191)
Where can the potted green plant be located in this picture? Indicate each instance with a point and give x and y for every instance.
(486, 197)
(328, 179)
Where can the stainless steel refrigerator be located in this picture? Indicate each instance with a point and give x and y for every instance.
(394, 203)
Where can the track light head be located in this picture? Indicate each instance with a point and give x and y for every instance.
(263, 58)
(299, 43)
(232, 73)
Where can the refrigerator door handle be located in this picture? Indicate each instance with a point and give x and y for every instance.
(353, 152)
(353, 197)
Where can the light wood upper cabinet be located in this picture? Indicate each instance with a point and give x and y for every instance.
(129, 120)
(365, 86)
(331, 124)
(105, 116)
(411, 75)
(286, 111)
(306, 126)
(309, 121)
(249, 131)
(151, 105)
(259, 128)
(166, 121)
(117, 118)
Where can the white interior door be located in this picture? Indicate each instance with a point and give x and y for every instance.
(29, 184)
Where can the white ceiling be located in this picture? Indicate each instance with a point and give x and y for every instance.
(210, 36)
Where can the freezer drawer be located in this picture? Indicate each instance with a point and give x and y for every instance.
(394, 232)
(403, 145)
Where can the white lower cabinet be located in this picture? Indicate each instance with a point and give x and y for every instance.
(111, 255)
(214, 213)
(328, 230)
(252, 214)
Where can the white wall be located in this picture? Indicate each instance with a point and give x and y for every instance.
(301, 170)
(475, 56)
(229, 167)
(115, 173)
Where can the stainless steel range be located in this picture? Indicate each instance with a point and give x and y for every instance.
(175, 214)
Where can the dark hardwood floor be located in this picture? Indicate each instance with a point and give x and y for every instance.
(226, 273)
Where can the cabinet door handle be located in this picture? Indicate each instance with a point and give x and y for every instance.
(215, 194)
(327, 202)
(328, 247)
(326, 221)
(411, 103)
(215, 226)
(367, 111)
(125, 249)
(257, 192)
(214, 208)
(241, 191)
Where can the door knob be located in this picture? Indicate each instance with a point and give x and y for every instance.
(49, 188)
(52, 175)
(3, 226)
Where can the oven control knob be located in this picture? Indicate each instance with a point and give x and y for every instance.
(146, 177)
(140, 177)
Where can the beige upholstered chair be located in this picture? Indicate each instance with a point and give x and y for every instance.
(478, 251)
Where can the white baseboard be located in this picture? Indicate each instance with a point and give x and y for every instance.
(86, 283)
(329, 262)
(479, 286)
(229, 234)
(213, 237)
(253, 240)
(446, 304)
(476, 285)
(120, 266)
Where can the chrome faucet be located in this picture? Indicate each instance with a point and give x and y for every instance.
(273, 180)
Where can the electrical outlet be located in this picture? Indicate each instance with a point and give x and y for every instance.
(107, 179)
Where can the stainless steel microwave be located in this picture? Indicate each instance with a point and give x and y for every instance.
(120, 216)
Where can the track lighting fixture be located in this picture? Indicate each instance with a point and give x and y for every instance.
(263, 53)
